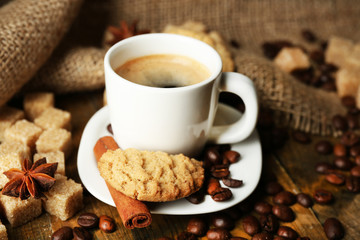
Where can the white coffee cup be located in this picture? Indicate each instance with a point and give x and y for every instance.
(174, 120)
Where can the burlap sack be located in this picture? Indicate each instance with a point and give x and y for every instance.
(250, 23)
(29, 32)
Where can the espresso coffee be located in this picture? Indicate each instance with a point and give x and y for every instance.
(164, 71)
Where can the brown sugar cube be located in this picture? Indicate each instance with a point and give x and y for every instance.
(64, 199)
(52, 157)
(23, 131)
(52, 140)
(18, 211)
(353, 60)
(8, 116)
(12, 155)
(36, 103)
(3, 233)
(347, 81)
(338, 50)
(291, 58)
(52, 118)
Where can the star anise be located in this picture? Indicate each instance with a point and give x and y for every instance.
(124, 31)
(32, 180)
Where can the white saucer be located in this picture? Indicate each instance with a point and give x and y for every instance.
(247, 169)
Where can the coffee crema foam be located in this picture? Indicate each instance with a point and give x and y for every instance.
(164, 70)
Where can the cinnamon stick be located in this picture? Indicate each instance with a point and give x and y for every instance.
(133, 213)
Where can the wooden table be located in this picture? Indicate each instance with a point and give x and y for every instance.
(293, 165)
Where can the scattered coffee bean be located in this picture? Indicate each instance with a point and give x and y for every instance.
(324, 147)
(251, 225)
(339, 122)
(218, 234)
(353, 184)
(88, 220)
(285, 198)
(284, 213)
(269, 223)
(355, 151)
(221, 195)
(186, 236)
(262, 236)
(233, 183)
(335, 178)
(262, 207)
(81, 233)
(349, 139)
(220, 171)
(273, 188)
(197, 197)
(222, 220)
(323, 196)
(234, 43)
(343, 163)
(348, 102)
(287, 232)
(107, 224)
(340, 150)
(232, 156)
(109, 128)
(197, 226)
(304, 200)
(323, 167)
(301, 137)
(333, 229)
(213, 156)
(64, 233)
(355, 171)
(308, 35)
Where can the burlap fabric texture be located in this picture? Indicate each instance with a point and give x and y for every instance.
(250, 23)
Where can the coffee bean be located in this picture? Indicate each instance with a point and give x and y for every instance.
(64, 233)
(335, 178)
(213, 156)
(109, 128)
(304, 200)
(269, 223)
(220, 171)
(323, 167)
(287, 232)
(348, 102)
(107, 224)
(230, 182)
(308, 35)
(284, 213)
(355, 171)
(353, 184)
(186, 236)
(340, 150)
(273, 188)
(343, 163)
(232, 156)
(324, 147)
(81, 234)
(234, 43)
(349, 139)
(222, 220)
(262, 236)
(262, 207)
(355, 151)
(285, 198)
(88, 220)
(333, 229)
(301, 137)
(323, 196)
(251, 225)
(197, 226)
(221, 195)
(197, 197)
(353, 121)
(218, 234)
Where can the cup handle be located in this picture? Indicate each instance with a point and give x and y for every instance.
(241, 129)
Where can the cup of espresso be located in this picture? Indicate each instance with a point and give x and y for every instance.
(163, 90)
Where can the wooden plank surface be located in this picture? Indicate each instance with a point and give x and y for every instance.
(293, 165)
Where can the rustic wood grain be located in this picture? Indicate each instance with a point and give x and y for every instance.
(293, 165)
